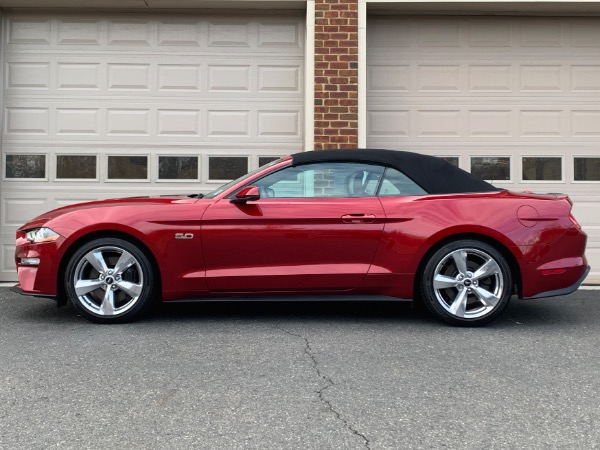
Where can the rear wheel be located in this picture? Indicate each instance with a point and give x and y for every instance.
(466, 282)
(109, 280)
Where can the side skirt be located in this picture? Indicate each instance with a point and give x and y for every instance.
(294, 298)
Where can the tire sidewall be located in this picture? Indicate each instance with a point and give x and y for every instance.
(143, 301)
(428, 292)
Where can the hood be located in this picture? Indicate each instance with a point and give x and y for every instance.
(114, 202)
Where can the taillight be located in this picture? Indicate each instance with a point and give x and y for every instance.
(574, 220)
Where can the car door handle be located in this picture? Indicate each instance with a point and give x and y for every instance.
(358, 218)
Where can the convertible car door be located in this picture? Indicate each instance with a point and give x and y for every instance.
(298, 236)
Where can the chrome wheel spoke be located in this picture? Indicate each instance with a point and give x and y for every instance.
(107, 308)
(460, 259)
(488, 298)
(444, 282)
(459, 304)
(83, 287)
(126, 260)
(96, 259)
(489, 268)
(131, 289)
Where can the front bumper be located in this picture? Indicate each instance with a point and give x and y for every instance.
(17, 289)
(41, 279)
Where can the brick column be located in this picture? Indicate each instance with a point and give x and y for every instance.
(336, 74)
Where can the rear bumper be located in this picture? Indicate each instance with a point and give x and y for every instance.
(556, 268)
(563, 291)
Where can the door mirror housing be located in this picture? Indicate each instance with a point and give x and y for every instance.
(249, 193)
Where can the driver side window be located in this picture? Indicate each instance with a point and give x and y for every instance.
(341, 179)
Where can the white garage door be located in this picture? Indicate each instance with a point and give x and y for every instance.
(122, 105)
(515, 100)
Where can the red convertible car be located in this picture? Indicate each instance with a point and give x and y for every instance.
(334, 224)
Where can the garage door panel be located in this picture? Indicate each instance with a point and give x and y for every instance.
(502, 34)
(51, 32)
(31, 121)
(208, 77)
(585, 78)
(27, 75)
(526, 125)
(536, 81)
(122, 121)
(7, 257)
(515, 98)
(16, 210)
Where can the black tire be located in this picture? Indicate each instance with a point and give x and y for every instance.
(110, 280)
(466, 283)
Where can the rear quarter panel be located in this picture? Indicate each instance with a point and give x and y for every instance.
(415, 225)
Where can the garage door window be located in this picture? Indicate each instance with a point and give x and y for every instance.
(225, 168)
(587, 169)
(491, 168)
(76, 167)
(178, 168)
(25, 166)
(127, 167)
(542, 169)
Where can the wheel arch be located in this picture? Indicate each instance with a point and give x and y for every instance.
(511, 259)
(84, 239)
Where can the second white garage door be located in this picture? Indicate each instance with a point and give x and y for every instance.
(514, 100)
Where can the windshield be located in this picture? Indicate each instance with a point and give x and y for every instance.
(223, 188)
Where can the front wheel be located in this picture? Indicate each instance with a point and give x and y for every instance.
(109, 280)
(466, 282)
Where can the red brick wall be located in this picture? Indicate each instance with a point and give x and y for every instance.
(336, 74)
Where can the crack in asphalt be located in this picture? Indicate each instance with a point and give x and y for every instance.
(321, 392)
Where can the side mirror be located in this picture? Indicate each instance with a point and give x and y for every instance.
(249, 193)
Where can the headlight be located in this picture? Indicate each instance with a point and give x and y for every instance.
(39, 235)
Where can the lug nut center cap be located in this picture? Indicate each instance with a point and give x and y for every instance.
(109, 280)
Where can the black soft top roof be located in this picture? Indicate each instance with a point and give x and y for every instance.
(434, 175)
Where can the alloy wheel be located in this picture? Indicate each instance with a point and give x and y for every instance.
(468, 283)
(108, 281)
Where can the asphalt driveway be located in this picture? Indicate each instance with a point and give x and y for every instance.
(300, 376)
